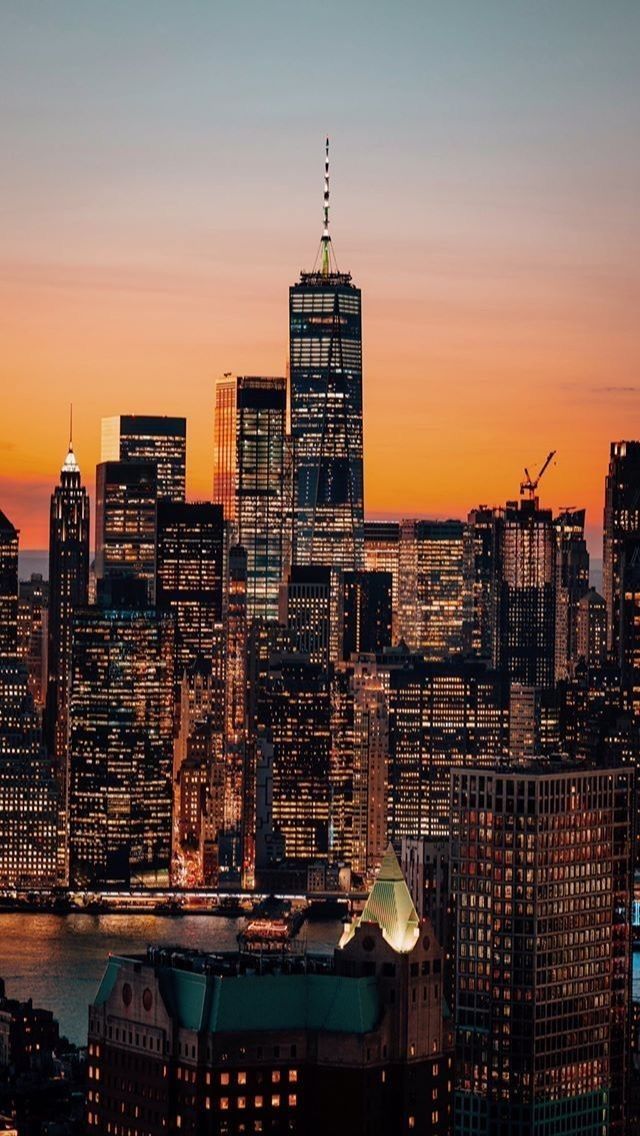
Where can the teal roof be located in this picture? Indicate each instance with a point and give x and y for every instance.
(108, 980)
(330, 1003)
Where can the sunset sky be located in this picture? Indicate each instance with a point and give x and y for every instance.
(162, 186)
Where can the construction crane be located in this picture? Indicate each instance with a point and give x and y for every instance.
(529, 486)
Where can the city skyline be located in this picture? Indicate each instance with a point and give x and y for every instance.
(497, 256)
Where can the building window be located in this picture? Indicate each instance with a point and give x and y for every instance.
(293, 1100)
(275, 1101)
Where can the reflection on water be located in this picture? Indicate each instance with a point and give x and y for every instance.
(58, 960)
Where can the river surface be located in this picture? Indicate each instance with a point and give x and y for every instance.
(58, 960)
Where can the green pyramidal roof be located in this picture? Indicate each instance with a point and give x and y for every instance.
(390, 906)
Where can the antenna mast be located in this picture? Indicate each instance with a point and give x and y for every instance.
(326, 239)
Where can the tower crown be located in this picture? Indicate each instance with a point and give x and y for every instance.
(390, 906)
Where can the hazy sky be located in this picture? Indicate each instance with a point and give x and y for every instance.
(161, 186)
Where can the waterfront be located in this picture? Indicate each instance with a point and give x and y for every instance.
(58, 960)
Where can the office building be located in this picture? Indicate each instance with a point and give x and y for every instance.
(189, 552)
(629, 625)
(366, 612)
(311, 611)
(120, 745)
(33, 614)
(480, 581)
(441, 715)
(250, 480)
(223, 1045)
(621, 520)
(591, 624)
(150, 437)
(572, 582)
(431, 607)
(524, 644)
(68, 591)
(381, 554)
(325, 360)
(297, 713)
(541, 869)
(30, 852)
(236, 754)
(126, 507)
(8, 587)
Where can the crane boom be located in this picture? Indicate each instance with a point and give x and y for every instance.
(528, 485)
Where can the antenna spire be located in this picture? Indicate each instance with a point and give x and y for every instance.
(70, 426)
(326, 239)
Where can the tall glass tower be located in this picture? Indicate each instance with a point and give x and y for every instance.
(325, 336)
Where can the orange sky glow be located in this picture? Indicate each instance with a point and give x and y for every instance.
(164, 188)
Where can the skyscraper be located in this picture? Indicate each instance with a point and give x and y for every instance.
(431, 601)
(150, 437)
(236, 754)
(225, 454)
(120, 744)
(592, 629)
(541, 869)
(381, 554)
(572, 581)
(524, 642)
(30, 844)
(621, 520)
(297, 716)
(8, 587)
(480, 580)
(326, 411)
(68, 591)
(250, 480)
(189, 576)
(366, 612)
(33, 613)
(126, 507)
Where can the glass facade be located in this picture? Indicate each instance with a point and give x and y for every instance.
(326, 420)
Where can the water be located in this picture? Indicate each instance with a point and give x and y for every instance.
(58, 960)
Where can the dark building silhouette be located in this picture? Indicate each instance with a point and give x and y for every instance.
(480, 555)
(621, 520)
(8, 587)
(366, 612)
(68, 591)
(33, 617)
(572, 583)
(325, 361)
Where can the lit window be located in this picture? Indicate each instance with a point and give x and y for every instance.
(293, 1074)
(275, 1101)
(224, 1103)
(242, 1102)
(258, 1102)
(275, 1076)
(293, 1100)
(242, 1078)
(224, 1078)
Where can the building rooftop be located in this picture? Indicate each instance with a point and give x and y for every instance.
(237, 1002)
(390, 906)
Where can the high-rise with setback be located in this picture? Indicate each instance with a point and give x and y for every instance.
(150, 437)
(68, 591)
(326, 411)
